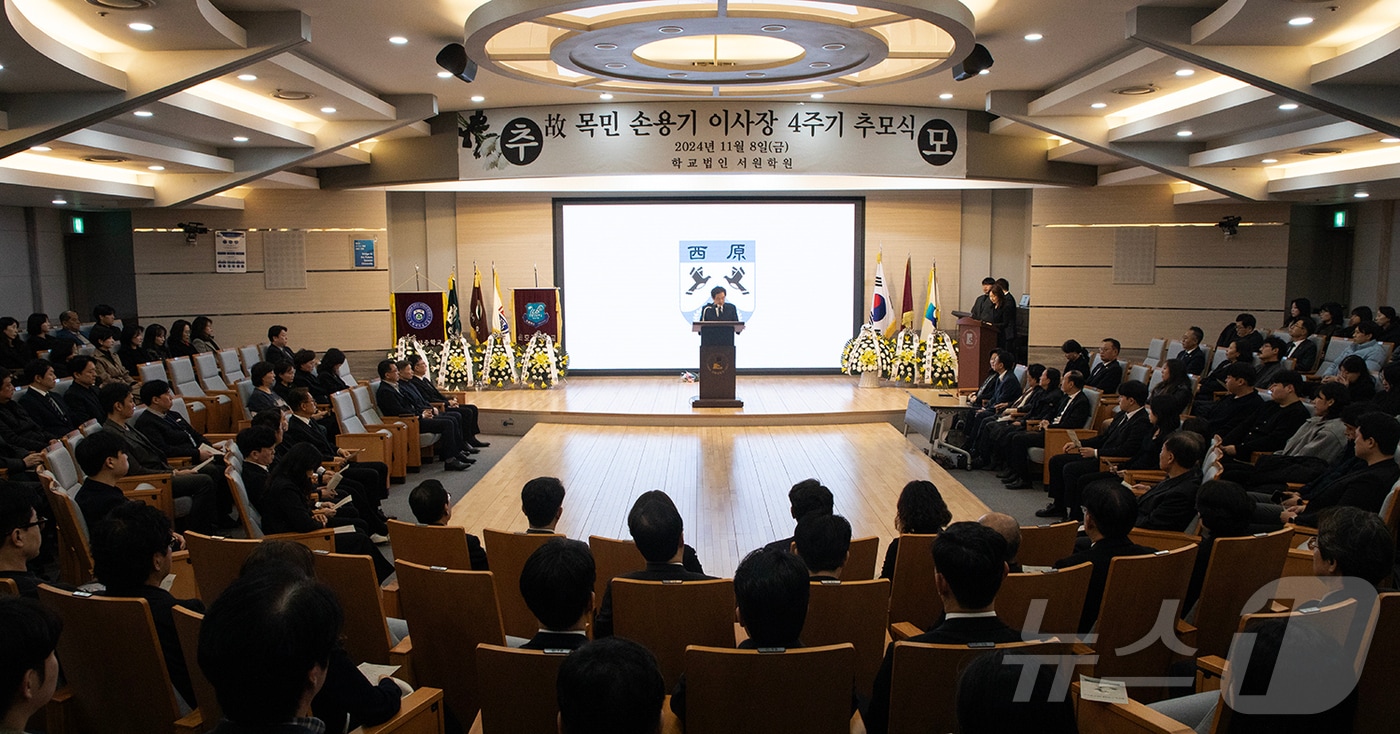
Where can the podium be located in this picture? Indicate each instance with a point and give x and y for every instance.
(976, 342)
(716, 368)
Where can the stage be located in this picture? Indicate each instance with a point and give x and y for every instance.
(625, 436)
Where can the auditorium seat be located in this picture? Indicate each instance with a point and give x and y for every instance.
(430, 545)
(855, 612)
(74, 551)
(1047, 603)
(863, 559)
(1376, 705)
(913, 597)
(231, 366)
(217, 560)
(251, 355)
(187, 624)
(351, 577)
(666, 616)
(806, 690)
(1238, 567)
(612, 558)
(508, 553)
(924, 680)
(376, 445)
(1042, 545)
(415, 441)
(517, 689)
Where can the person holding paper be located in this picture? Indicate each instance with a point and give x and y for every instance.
(174, 436)
(718, 310)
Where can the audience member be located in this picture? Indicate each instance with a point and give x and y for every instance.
(805, 497)
(1316, 444)
(468, 412)
(1363, 345)
(1175, 384)
(1270, 360)
(102, 457)
(1329, 320)
(62, 352)
(1044, 404)
(1298, 308)
(1108, 372)
(920, 510)
(1242, 331)
(982, 308)
(557, 585)
(1389, 325)
(305, 362)
(970, 563)
(42, 403)
(366, 481)
(823, 542)
(277, 350)
(1123, 437)
(1000, 387)
(1164, 415)
(1353, 374)
(414, 393)
(542, 502)
(81, 397)
(1193, 358)
(1357, 317)
(1352, 542)
(1226, 511)
(1010, 531)
(70, 329)
(659, 532)
(990, 698)
(258, 446)
(431, 504)
(179, 342)
(172, 435)
(1073, 412)
(38, 340)
(13, 353)
(202, 335)
(1109, 513)
(982, 420)
(1388, 399)
(131, 352)
(328, 371)
(395, 401)
(1270, 427)
(286, 379)
(153, 346)
(610, 686)
(131, 556)
(264, 375)
(1301, 349)
(1241, 400)
(1215, 381)
(1366, 488)
(1171, 503)
(21, 539)
(109, 369)
(28, 665)
(1076, 359)
(16, 427)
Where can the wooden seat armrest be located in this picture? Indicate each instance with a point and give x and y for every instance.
(404, 647)
(1211, 665)
(1301, 530)
(366, 441)
(389, 598)
(214, 438)
(1133, 716)
(1294, 486)
(1104, 461)
(1056, 438)
(179, 462)
(1186, 632)
(1146, 476)
(1278, 607)
(323, 539)
(1254, 457)
(193, 723)
(402, 656)
(230, 394)
(904, 630)
(424, 703)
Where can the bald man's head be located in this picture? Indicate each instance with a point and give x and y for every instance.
(1007, 526)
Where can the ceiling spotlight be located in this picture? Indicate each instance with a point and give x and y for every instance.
(1184, 133)
(1229, 225)
(984, 72)
(615, 65)
(755, 74)
(478, 98)
(1099, 105)
(1300, 21)
(605, 46)
(247, 77)
(144, 113)
(605, 96)
(773, 28)
(2, 67)
(1287, 106)
(946, 95)
(104, 159)
(677, 75)
(328, 110)
(819, 65)
(1185, 72)
(670, 29)
(41, 149)
(979, 60)
(444, 75)
(59, 200)
(155, 168)
(398, 40)
(1360, 195)
(140, 27)
(1390, 140)
(1269, 160)
(834, 47)
(1033, 36)
(818, 95)
(240, 138)
(292, 95)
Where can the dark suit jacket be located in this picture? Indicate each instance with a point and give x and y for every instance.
(603, 623)
(956, 631)
(545, 640)
(49, 412)
(162, 605)
(314, 386)
(1124, 436)
(275, 354)
(717, 335)
(982, 308)
(1046, 404)
(1101, 554)
(1008, 389)
(348, 699)
(1194, 360)
(146, 457)
(96, 499)
(171, 433)
(1267, 430)
(1229, 412)
(19, 429)
(1171, 504)
(1304, 355)
(394, 402)
(299, 431)
(83, 404)
(1365, 488)
(1080, 365)
(1106, 377)
(1073, 414)
(284, 509)
(255, 481)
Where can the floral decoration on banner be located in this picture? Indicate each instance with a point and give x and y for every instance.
(940, 360)
(867, 352)
(498, 361)
(908, 359)
(542, 364)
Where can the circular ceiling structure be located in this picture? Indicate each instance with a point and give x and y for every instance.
(720, 48)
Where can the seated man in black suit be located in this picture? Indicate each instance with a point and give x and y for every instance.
(1270, 427)
(277, 350)
(542, 501)
(102, 457)
(1377, 435)
(1171, 503)
(1073, 413)
(416, 393)
(1243, 331)
(146, 458)
(432, 505)
(394, 401)
(823, 542)
(1270, 359)
(557, 584)
(1107, 373)
(1301, 349)
(131, 556)
(174, 436)
(303, 428)
(611, 686)
(1241, 402)
(805, 497)
(418, 370)
(70, 329)
(30, 675)
(659, 532)
(971, 564)
(81, 396)
(1109, 513)
(1193, 358)
(43, 404)
(21, 539)
(258, 445)
(771, 590)
(1123, 437)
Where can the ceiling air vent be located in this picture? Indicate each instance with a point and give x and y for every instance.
(1136, 91)
(292, 95)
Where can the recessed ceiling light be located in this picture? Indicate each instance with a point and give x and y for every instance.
(104, 159)
(1390, 140)
(946, 95)
(1135, 91)
(834, 47)
(1184, 133)
(757, 75)
(478, 98)
(398, 40)
(819, 65)
(1269, 160)
(985, 72)
(292, 95)
(615, 65)
(41, 149)
(1287, 106)
(240, 138)
(1318, 152)
(1301, 20)
(605, 46)
(328, 110)
(247, 77)
(1099, 105)
(773, 28)
(2, 67)
(155, 168)
(605, 96)
(1360, 195)
(818, 95)
(1033, 36)
(1185, 72)
(59, 200)
(144, 113)
(140, 27)
(677, 75)
(444, 75)
(670, 29)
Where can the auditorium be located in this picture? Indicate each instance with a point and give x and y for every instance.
(927, 365)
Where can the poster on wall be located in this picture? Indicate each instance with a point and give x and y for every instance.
(230, 252)
(363, 254)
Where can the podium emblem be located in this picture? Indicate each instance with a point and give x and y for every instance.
(705, 264)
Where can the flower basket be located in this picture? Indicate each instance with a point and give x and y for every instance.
(940, 360)
(498, 364)
(908, 358)
(867, 354)
(542, 364)
(457, 368)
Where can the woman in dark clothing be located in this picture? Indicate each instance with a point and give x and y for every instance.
(1329, 319)
(920, 511)
(328, 372)
(1357, 378)
(288, 506)
(1388, 400)
(1300, 308)
(264, 398)
(153, 346)
(16, 427)
(1174, 385)
(38, 330)
(14, 354)
(179, 344)
(1162, 410)
(286, 376)
(1359, 316)
(1389, 323)
(59, 354)
(131, 353)
(202, 335)
(1003, 317)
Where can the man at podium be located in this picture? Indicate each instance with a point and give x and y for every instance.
(718, 310)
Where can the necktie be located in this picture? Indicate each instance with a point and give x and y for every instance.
(61, 413)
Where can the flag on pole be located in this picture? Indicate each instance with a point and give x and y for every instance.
(906, 308)
(880, 301)
(454, 316)
(481, 327)
(931, 308)
(502, 321)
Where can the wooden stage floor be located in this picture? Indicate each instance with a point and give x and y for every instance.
(730, 482)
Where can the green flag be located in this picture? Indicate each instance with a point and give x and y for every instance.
(454, 316)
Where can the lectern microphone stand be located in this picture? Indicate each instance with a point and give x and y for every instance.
(717, 365)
